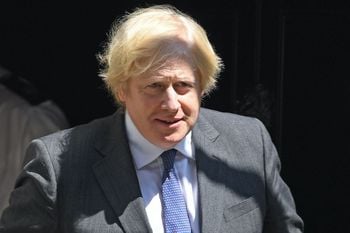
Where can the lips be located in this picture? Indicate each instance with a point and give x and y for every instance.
(169, 121)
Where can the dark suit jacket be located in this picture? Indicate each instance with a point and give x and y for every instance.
(83, 180)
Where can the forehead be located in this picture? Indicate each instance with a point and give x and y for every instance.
(174, 68)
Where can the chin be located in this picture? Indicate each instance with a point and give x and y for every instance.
(169, 140)
(172, 140)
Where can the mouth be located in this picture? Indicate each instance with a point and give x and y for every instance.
(169, 121)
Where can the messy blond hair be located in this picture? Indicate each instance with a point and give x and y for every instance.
(143, 40)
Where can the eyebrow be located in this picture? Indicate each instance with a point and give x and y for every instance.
(159, 77)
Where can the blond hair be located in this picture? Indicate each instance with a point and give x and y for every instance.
(144, 39)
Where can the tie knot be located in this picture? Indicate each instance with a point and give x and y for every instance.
(168, 158)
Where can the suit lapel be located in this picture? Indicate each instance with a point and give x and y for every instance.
(117, 177)
(211, 192)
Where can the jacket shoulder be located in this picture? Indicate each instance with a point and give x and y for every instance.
(87, 131)
(224, 120)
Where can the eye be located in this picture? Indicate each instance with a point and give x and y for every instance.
(154, 88)
(154, 85)
(183, 84)
(183, 87)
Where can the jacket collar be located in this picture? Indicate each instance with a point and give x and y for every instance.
(208, 153)
(117, 177)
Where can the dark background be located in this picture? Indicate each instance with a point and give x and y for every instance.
(286, 63)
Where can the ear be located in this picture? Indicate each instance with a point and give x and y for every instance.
(121, 94)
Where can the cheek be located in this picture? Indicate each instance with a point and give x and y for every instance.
(147, 108)
(191, 103)
(149, 104)
(191, 112)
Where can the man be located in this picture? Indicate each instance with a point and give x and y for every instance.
(162, 164)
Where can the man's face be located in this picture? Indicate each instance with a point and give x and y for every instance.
(164, 104)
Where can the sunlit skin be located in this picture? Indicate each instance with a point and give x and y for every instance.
(164, 105)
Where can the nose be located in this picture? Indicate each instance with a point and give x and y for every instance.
(170, 101)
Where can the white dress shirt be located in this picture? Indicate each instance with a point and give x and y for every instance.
(149, 170)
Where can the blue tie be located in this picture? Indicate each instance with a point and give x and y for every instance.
(175, 217)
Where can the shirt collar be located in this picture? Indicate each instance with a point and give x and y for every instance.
(144, 152)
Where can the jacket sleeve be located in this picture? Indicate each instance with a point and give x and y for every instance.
(32, 202)
(281, 213)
